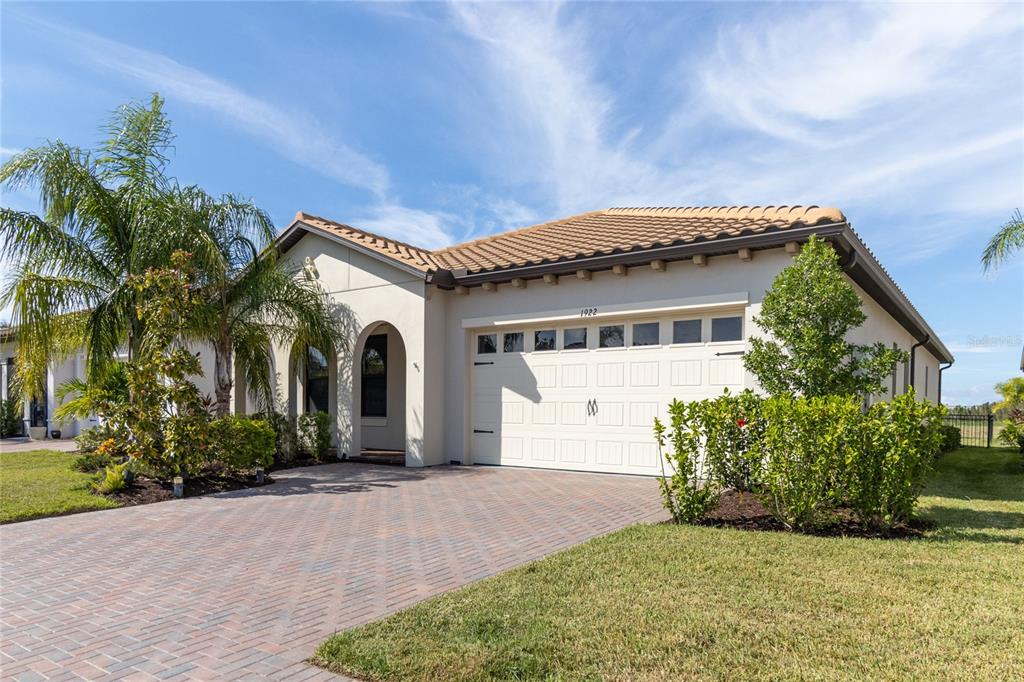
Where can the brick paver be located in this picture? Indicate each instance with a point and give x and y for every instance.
(244, 585)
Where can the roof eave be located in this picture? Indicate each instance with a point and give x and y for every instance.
(289, 237)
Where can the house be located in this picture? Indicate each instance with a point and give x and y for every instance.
(554, 345)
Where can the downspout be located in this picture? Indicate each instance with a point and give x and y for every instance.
(941, 370)
(913, 381)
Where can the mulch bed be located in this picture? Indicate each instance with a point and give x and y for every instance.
(747, 511)
(146, 490)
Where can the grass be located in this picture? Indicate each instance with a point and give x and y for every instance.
(40, 483)
(664, 602)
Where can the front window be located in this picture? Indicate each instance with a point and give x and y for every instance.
(486, 343)
(513, 342)
(612, 336)
(574, 338)
(646, 334)
(544, 340)
(375, 376)
(686, 331)
(316, 380)
(727, 329)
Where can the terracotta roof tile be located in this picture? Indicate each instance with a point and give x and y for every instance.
(614, 230)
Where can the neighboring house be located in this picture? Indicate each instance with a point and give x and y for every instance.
(556, 345)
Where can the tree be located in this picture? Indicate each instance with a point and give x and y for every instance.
(1012, 391)
(72, 265)
(250, 298)
(807, 313)
(1006, 241)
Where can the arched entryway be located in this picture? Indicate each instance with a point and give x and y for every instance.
(379, 395)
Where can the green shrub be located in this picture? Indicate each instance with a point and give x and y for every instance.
(1012, 433)
(315, 434)
(241, 443)
(733, 430)
(90, 439)
(688, 493)
(111, 480)
(951, 438)
(286, 438)
(886, 471)
(11, 423)
(806, 442)
(90, 462)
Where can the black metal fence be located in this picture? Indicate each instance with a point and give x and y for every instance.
(975, 429)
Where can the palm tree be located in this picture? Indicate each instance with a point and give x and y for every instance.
(1008, 239)
(251, 297)
(71, 265)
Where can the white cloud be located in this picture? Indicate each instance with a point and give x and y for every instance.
(425, 229)
(294, 135)
(8, 151)
(838, 63)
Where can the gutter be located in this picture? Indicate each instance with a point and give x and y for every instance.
(941, 370)
(913, 361)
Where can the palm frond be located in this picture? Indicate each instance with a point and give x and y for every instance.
(1008, 240)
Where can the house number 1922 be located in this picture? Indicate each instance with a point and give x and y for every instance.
(588, 312)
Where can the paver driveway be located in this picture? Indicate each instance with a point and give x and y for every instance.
(246, 584)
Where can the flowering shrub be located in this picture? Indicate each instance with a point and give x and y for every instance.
(733, 429)
(286, 438)
(688, 494)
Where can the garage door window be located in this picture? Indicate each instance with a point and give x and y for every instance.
(726, 329)
(486, 343)
(686, 331)
(612, 336)
(646, 334)
(513, 342)
(544, 340)
(574, 338)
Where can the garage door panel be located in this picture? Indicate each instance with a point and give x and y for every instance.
(610, 414)
(643, 373)
(545, 414)
(574, 451)
(610, 374)
(512, 412)
(574, 376)
(686, 372)
(574, 413)
(543, 449)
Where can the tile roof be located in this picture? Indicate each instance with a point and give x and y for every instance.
(412, 256)
(613, 230)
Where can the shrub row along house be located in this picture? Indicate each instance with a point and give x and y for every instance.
(554, 345)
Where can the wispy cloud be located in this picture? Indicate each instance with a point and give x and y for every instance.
(296, 136)
(870, 107)
(8, 151)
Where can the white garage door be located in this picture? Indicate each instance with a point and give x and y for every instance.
(584, 395)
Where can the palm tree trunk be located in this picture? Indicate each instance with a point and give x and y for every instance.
(222, 377)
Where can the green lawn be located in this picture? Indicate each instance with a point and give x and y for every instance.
(662, 602)
(41, 483)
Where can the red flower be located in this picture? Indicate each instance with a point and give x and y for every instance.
(741, 422)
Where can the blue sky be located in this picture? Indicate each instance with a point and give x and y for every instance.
(435, 123)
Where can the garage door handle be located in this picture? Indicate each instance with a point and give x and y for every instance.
(481, 431)
(731, 352)
(477, 364)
